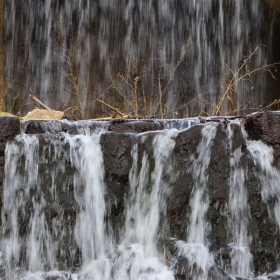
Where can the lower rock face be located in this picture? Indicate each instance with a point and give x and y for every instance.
(205, 201)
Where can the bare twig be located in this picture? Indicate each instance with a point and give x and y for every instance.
(275, 102)
(38, 101)
(237, 77)
(99, 119)
(112, 108)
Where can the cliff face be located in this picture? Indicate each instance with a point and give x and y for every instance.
(230, 156)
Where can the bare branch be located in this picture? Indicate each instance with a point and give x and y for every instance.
(38, 101)
(112, 108)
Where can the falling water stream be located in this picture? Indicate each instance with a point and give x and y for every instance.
(54, 177)
(195, 249)
(241, 258)
(210, 40)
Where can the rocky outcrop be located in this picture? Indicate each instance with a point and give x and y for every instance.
(264, 126)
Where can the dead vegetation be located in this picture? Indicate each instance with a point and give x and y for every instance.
(135, 99)
(67, 53)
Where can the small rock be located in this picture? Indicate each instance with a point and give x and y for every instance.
(39, 114)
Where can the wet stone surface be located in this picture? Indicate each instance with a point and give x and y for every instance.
(264, 126)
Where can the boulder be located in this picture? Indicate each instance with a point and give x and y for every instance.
(39, 114)
(264, 126)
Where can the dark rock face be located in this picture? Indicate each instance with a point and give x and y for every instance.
(134, 126)
(264, 126)
(10, 127)
(178, 209)
(117, 162)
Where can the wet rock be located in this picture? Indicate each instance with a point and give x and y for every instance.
(116, 153)
(274, 276)
(33, 127)
(178, 209)
(264, 126)
(221, 255)
(116, 148)
(10, 127)
(183, 270)
(121, 126)
(216, 273)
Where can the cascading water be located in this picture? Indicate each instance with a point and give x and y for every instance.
(241, 258)
(196, 251)
(57, 219)
(43, 242)
(43, 245)
(103, 38)
(269, 177)
(139, 255)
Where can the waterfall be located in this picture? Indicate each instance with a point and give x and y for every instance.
(196, 250)
(188, 49)
(268, 175)
(43, 245)
(138, 251)
(199, 201)
(241, 258)
(62, 219)
(26, 202)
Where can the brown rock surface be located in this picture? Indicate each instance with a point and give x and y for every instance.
(264, 126)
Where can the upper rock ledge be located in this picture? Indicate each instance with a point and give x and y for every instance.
(264, 126)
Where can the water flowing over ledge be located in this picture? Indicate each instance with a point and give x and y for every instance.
(141, 199)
